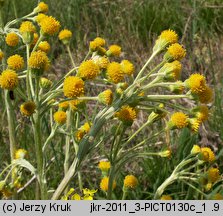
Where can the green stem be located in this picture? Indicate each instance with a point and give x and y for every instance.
(67, 146)
(163, 186)
(89, 52)
(28, 75)
(15, 9)
(110, 182)
(144, 67)
(38, 143)
(125, 192)
(12, 136)
(70, 55)
(165, 97)
(1, 18)
(37, 43)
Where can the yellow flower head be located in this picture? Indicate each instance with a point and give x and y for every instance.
(15, 62)
(194, 124)
(41, 8)
(44, 46)
(27, 27)
(40, 17)
(84, 129)
(127, 67)
(169, 36)
(12, 39)
(97, 43)
(171, 70)
(114, 50)
(45, 83)
(166, 38)
(64, 105)
(127, 114)
(175, 52)
(88, 70)
(196, 83)
(1, 55)
(166, 153)
(207, 154)
(65, 36)
(20, 154)
(28, 108)
(49, 25)
(206, 96)
(74, 104)
(35, 39)
(60, 117)
(104, 184)
(102, 62)
(38, 61)
(179, 120)
(104, 166)
(213, 175)
(73, 87)
(115, 73)
(106, 97)
(166, 197)
(195, 150)
(100, 41)
(201, 112)
(9, 79)
(130, 181)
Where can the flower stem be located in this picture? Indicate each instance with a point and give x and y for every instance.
(67, 146)
(38, 143)
(70, 55)
(12, 137)
(144, 67)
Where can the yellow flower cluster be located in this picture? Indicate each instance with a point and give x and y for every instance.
(9, 79)
(126, 114)
(104, 166)
(38, 61)
(41, 8)
(166, 38)
(27, 27)
(88, 70)
(97, 44)
(106, 97)
(73, 87)
(44, 46)
(20, 154)
(114, 50)
(207, 155)
(12, 39)
(104, 184)
(28, 108)
(197, 84)
(49, 25)
(179, 120)
(127, 67)
(60, 117)
(175, 52)
(115, 73)
(15, 62)
(130, 181)
(65, 36)
(84, 129)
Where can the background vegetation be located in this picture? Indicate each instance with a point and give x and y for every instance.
(134, 24)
